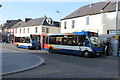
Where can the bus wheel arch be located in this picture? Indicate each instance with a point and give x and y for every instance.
(50, 49)
(29, 48)
(86, 53)
(17, 46)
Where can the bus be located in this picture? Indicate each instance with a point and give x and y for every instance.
(31, 41)
(83, 43)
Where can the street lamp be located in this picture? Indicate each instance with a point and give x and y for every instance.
(59, 22)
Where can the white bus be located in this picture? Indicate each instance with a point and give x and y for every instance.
(31, 41)
(79, 43)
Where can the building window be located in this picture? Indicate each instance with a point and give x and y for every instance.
(73, 23)
(36, 29)
(20, 30)
(28, 30)
(24, 30)
(87, 20)
(47, 30)
(43, 29)
(65, 24)
(16, 31)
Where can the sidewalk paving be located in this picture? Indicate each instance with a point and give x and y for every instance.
(14, 62)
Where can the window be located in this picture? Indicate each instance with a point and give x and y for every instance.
(73, 23)
(24, 30)
(47, 30)
(28, 30)
(16, 31)
(43, 29)
(52, 40)
(36, 30)
(71, 40)
(87, 20)
(17, 39)
(20, 30)
(65, 24)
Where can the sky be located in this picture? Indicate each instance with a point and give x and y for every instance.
(22, 10)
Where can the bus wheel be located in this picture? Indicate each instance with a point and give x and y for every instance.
(50, 50)
(17, 46)
(86, 54)
(29, 48)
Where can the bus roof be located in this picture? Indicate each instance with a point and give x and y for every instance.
(73, 33)
(83, 33)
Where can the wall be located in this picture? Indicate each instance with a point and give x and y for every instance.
(53, 29)
(80, 24)
(98, 23)
(31, 30)
(109, 21)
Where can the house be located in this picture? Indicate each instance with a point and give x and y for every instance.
(36, 26)
(6, 30)
(98, 17)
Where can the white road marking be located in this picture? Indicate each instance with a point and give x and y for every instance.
(15, 51)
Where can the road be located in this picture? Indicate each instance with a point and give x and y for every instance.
(66, 66)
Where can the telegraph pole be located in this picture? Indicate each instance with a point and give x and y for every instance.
(117, 24)
(117, 17)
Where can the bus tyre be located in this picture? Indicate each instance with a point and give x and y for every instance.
(50, 50)
(17, 46)
(86, 54)
(29, 48)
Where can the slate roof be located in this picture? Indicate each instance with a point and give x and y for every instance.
(35, 22)
(10, 23)
(96, 8)
(19, 24)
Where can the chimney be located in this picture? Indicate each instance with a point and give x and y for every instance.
(27, 19)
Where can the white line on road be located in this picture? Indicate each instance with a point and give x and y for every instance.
(15, 51)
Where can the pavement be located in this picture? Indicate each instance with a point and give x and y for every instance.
(13, 62)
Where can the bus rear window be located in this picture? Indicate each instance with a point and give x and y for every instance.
(92, 34)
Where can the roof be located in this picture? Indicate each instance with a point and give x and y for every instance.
(19, 24)
(35, 22)
(10, 23)
(91, 9)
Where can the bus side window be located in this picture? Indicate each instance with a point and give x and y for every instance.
(74, 41)
(52, 40)
(59, 40)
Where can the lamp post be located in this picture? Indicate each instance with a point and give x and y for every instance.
(59, 22)
(117, 17)
(117, 24)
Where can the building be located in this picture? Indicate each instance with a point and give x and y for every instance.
(36, 26)
(98, 17)
(6, 30)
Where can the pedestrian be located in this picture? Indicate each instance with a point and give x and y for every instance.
(107, 46)
(103, 45)
(3, 41)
